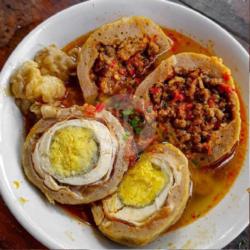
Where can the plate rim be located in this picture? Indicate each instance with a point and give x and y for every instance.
(5, 190)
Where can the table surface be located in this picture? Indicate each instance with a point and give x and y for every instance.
(18, 17)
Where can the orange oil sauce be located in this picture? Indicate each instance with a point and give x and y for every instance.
(209, 186)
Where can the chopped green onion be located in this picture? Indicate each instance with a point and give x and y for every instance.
(126, 136)
(134, 122)
(138, 130)
(149, 109)
(127, 112)
(165, 104)
(196, 163)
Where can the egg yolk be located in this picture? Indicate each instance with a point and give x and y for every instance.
(142, 184)
(73, 151)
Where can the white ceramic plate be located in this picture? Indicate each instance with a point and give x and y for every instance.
(49, 224)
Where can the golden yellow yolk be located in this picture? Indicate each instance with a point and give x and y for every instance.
(73, 151)
(142, 184)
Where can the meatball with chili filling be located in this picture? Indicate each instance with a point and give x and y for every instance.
(196, 106)
(117, 56)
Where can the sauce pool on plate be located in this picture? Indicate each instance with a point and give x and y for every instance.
(210, 185)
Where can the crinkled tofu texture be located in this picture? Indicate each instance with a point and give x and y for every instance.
(51, 88)
(24, 80)
(55, 62)
(44, 110)
(28, 83)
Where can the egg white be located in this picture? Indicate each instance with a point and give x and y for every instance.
(114, 208)
(107, 150)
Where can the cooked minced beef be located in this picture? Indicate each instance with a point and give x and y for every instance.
(194, 104)
(119, 68)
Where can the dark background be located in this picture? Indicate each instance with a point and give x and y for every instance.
(18, 17)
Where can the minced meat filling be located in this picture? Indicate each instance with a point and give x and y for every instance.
(194, 104)
(119, 68)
